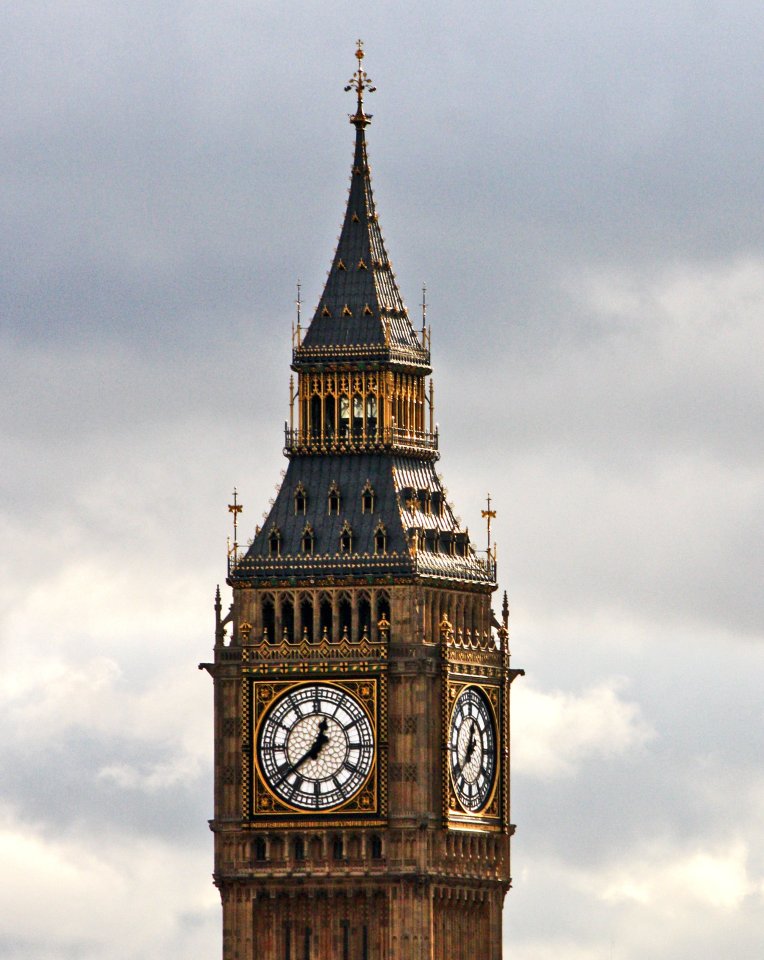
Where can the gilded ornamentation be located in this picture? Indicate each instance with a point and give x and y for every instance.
(482, 658)
(323, 650)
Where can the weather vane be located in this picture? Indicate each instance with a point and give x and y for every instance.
(360, 81)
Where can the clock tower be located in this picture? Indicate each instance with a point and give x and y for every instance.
(361, 678)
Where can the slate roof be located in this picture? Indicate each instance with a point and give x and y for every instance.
(361, 314)
(401, 487)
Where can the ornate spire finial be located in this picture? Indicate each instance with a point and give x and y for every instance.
(360, 81)
(488, 515)
(235, 508)
(298, 302)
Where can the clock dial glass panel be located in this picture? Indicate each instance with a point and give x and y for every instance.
(316, 747)
(472, 749)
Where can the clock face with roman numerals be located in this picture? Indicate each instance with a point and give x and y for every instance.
(472, 749)
(316, 746)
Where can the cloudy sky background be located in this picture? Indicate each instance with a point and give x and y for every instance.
(580, 186)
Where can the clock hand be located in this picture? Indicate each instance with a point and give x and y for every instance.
(470, 746)
(320, 741)
(311, 754)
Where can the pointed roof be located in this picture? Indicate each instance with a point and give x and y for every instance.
(361, 314)
(422, 536)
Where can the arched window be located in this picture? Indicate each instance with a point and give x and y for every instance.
(329, 409)
(344, 415)
(380, 539)
(308, 539)
(298, 848)
(300, 499)
(287, 619)
(367, 498)
(364, 617)
(383, 606)
(383, 616)
(371, 415)
(315, 415)
(325, 618)
(376, 848)
(345, 611)
(338, 848)
(306, 617)
(269, 620)
(334, 498)
(260, 849)
(274, 542)
(357, 415)
(346, 539)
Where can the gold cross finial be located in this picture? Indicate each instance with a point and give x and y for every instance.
(360, 82)
(488, 515)
(235, 508)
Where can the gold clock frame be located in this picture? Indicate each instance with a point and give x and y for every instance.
(489, 817)
(261, 805)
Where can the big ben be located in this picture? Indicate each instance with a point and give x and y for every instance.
(361, 677)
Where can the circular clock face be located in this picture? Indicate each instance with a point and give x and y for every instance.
(316, 746)
(472, 749)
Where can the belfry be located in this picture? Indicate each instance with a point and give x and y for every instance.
(361, 678)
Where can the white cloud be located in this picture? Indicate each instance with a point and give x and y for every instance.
(45, 701)
(151, 777)
(555, 949)
(553, 733)
(716, 877)
(125, 899)
(659, 899)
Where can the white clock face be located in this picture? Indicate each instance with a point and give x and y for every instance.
(472, 749)
(316, 746)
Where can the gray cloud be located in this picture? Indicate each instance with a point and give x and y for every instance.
(578, 187)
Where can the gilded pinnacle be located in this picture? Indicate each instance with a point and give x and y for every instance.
(360, 81)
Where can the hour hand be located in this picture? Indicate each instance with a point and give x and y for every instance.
(311, 753)
(320, 742)
(470, 746)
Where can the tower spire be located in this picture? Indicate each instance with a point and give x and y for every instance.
(361, 315)
(360, 81)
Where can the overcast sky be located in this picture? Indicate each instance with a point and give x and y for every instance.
(580, 186)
